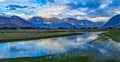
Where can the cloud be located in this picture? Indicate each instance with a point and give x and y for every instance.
(14, 7)
(103, 6)
(117, 12)
(98, 19)
(84, 9)
(49, 10)
(1, 0)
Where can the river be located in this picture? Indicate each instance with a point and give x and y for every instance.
(41, 47)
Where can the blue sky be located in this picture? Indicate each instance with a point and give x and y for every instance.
(94, 10)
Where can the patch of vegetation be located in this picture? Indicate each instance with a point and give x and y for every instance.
(102, 37)
(114, 35)
(65, 57)
(28, 35)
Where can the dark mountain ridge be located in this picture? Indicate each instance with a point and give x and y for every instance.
(14, 22)
(113, 22)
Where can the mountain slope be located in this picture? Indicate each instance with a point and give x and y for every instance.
(49, 23)
(58, 23)
(37, 21)
(14, 22)
(113, 22)
(80, 23)
(86, 24)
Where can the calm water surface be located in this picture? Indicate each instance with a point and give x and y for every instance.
(42, 47)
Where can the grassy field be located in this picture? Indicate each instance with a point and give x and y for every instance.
(114, 35)
(51, 30)
(66, 57)
(17, 35)
(8, 35)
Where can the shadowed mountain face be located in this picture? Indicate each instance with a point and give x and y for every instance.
(37, 21)
(80, 23)
(14, 22)
(113, 22)
(49, 23)
(58, 23)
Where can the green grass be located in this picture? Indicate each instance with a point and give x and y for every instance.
(114, 35)
(102, 37)
(43, 59)
(17, 36)
(66, 57)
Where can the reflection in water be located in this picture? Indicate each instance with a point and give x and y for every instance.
(84, 42)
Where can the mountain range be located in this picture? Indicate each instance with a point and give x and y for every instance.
(64, 23)
(39, 22)
(49, 23)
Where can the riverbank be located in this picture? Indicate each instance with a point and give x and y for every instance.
(114, 35)
(10, 35)
(65, 57)
(19, 35)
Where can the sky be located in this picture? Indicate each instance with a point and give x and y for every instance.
(94, 10)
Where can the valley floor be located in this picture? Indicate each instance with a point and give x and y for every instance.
(9, 35)
(12, 35)
(18, 35)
